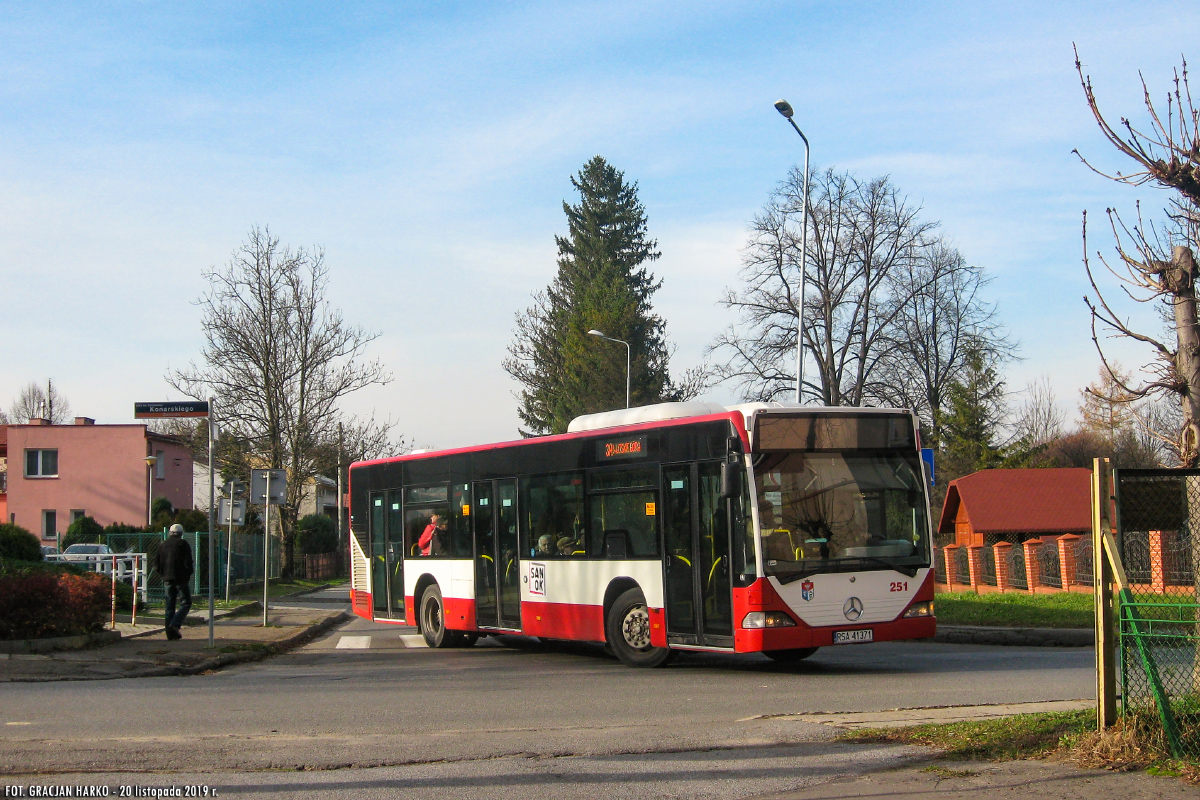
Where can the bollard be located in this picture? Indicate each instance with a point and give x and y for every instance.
(134, 582)
(114, 592)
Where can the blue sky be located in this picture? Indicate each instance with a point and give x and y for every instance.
(427, 147)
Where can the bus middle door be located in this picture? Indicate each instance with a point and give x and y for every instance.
(696, 559)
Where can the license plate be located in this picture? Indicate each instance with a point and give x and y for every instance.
(853, 637)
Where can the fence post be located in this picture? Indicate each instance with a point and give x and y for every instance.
(1158, 564)
(951, 567)
(1106, 651)
(974, 567)
(1000, 552)
(1033, 573)
(1066, 559)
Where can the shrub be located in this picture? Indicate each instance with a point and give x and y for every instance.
(121, 527)
(161, 505)
(44, 603)
(84, 530)
(18, 543)
(317, 534)
(192, 520)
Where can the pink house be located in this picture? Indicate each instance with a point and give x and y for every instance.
(58, 473)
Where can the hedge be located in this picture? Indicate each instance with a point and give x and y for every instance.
(39, 603)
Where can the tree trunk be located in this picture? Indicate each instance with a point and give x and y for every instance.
(1187, 355)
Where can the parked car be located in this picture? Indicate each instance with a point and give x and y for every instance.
(49, 550)
(90, 554)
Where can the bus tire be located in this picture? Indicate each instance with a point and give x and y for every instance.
(790, 656)
(433, 619)
(628, 632)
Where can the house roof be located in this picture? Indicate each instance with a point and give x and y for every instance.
(1021, 501)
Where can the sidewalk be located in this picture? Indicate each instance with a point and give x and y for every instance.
(144, 650)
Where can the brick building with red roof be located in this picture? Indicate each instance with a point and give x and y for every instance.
(1014, 505)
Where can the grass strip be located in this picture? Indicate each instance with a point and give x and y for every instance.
(1020, 736)
(1016, 610)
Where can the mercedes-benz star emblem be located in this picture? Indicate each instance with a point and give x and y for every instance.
(853, 609)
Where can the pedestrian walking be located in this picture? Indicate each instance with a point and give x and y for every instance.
(174, 563)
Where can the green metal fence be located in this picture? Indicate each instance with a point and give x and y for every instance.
(239, 556)
(1158, 539)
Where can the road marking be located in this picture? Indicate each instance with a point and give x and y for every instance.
(413, 640)
(18, 723)
(354, 643)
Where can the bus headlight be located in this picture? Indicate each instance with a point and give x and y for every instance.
(924, 609)
(768, 619)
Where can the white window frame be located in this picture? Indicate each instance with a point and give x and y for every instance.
(40, 459)
(46, 512)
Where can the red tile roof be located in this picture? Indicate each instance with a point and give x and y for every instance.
(1021, 501)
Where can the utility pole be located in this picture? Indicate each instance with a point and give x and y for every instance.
(340, 495)
(212, 490)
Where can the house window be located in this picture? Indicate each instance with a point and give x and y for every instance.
(160, 466)
(77, 514)
(49, 523)
(41, 463)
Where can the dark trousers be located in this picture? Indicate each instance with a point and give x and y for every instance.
(181, 590)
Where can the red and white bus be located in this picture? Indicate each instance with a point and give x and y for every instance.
(769, 528)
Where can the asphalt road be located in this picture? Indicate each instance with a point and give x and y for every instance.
(369, 701)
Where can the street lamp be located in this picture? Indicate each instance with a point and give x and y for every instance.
(785, 108)
(150, 462)
(627, 359)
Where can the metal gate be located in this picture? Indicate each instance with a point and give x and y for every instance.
(1156, 524)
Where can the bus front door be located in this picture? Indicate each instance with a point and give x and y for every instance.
(497, 568)
(379, 566)
(696, 566)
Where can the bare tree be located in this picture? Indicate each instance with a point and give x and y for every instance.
(941, 315)
(1157, 265)
(863, 233)
(1040, 419)
(34, 402)
(279, 359)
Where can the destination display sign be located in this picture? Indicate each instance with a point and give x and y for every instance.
(181, 408)
(633, 447)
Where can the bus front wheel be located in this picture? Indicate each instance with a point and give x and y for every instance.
(628, 631)
(433, 619)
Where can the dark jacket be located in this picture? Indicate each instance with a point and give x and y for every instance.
(174, 559)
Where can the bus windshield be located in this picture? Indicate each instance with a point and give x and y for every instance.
(841, 512)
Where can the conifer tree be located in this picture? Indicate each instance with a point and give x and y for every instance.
(972, 423)
(603, 283)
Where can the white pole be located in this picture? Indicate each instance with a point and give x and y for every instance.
(627, 362)
(229, 545)
(266, 546)
(212, 552)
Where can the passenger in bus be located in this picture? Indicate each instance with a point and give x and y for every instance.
(545, 546)
(567, 546)
(430, 542)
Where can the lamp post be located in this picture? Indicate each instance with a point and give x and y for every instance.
(627, 359)
(150, 462)
(785, 108)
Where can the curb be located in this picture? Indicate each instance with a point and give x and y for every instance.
(1015, 637)
(224, 660)
(267, 650)
(78, 642)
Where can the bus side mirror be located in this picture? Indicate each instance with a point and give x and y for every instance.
(731, 485)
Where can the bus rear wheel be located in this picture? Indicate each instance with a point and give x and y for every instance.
(790, 656)
(628, 632)
(433, 619)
